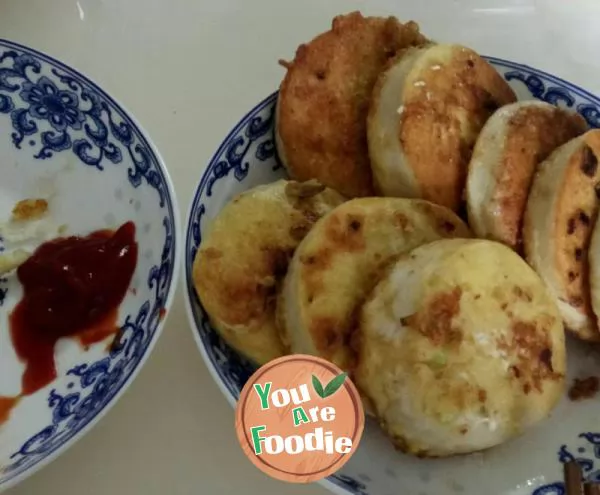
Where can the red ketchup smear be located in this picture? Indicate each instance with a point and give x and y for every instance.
(72, 287)
(6, 406)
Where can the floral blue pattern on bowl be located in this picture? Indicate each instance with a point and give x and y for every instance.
(248, 157)
(59, 127)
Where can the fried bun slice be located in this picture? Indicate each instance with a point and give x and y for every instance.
(426, 112)
(594, 269)
(561, 212)
(511, 145)
(340, 261)
(324, 99)
(245, 254)
(461, 348)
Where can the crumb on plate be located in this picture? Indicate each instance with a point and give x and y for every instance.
(584, 388)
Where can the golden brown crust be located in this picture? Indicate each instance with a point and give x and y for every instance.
(532, 135)
(577, 210)
(435, 321)
(531, 344)
(444, 111)
(244, 256)
(324, 99)
(561, 211)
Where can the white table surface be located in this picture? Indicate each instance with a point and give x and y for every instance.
(188, 69)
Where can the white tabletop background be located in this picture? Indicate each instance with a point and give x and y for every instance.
(188, 70)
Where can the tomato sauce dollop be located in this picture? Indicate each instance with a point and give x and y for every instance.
(72, 287)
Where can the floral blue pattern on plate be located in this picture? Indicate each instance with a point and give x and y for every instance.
(248, 157)
(63, 138)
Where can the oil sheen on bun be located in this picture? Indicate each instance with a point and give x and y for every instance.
(324, 99)
(511, 145)
(561, 211)
(340, 261)
(460, 348)
(245, 255)
(426, 112)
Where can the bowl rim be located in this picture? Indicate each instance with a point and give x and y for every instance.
(177, 255)
(330, 483)
(189, 286)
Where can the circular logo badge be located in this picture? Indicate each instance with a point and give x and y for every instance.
(299, 418)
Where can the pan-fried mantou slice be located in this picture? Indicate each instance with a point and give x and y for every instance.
(561, 211)
(339, 262)
(461, 347)
(511, 145)
(324, 100)
(426, 113)
(594, 271)
(245, 254)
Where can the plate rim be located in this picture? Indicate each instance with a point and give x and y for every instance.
(173, 285)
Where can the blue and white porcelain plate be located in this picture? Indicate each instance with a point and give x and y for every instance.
(63, 139)
(530, 465)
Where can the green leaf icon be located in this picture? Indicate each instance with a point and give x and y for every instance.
(334, 385)
(318, 387)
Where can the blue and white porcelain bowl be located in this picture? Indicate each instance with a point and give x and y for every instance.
(62, 138)
(530, 465)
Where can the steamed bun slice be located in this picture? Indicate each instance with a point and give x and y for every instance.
(594, 271)
(324, 99)
(561, 211)
(340, 261)
(426, 112)
(511, 145)
(244, 256)
(460, 348)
